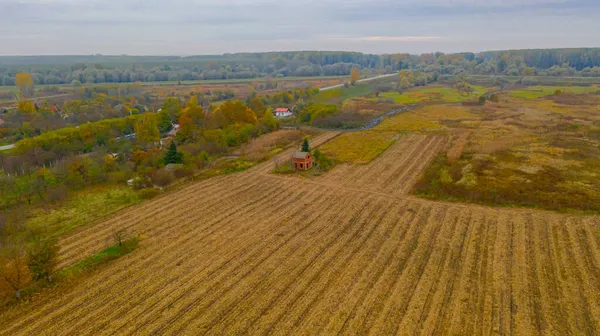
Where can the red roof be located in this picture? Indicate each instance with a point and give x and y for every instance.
(282, 109)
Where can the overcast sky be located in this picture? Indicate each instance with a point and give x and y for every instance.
(192, 27)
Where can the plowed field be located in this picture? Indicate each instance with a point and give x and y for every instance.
(347, 253)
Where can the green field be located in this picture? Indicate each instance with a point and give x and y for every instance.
(440, 94)
(343, 93)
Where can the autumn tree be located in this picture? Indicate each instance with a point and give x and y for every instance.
(354, 75)
(232, 112)
(194, 111)
(258, 106)
(146, 129)
(269, 120)
(172, 107)
(13, 263)
(138, 157)
(43, 259)
(464, 88)
(26, 106)
(24, 82)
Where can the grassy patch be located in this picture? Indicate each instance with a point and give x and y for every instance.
(94, 261)
(81, 208)
(359, 147)
(439, 94)
(342, 93)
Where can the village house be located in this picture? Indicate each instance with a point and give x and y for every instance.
(302, 161)
(283, 112)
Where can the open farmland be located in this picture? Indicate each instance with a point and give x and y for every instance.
(254, 253)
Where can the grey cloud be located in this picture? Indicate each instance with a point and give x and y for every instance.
(215, 26)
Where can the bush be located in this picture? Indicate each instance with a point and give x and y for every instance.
(148, 193)
(323, 162)
(163, 177)
(141, 182)
(183, 172)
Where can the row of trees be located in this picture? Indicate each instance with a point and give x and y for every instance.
(103, 69)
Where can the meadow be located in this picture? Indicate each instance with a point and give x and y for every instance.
(528, 150)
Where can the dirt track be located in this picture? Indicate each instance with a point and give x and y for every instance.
(348, 253)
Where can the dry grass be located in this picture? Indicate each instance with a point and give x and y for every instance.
(427, 119)
(517, 146)
(359, 147)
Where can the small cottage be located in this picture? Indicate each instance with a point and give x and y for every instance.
(283, 112)
(302, 161)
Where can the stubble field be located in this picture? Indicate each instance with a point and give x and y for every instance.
(345, 253)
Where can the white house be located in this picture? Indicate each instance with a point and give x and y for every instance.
(283, 112)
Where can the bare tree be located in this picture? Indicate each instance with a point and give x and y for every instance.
(120, 236)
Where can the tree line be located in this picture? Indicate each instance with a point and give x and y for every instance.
(124, 69)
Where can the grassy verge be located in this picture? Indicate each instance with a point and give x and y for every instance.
(81, 208)
(96, 260)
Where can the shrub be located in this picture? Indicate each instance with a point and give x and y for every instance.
(183, 172)
(141, 182)
(163, 177)
(323, 162)
(148, 193)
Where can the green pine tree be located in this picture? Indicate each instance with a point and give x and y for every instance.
(305, 146)
(173, 156)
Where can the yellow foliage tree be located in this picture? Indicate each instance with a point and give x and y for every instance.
(354, 75)
(146, 129)
(26, 106)
(24, 82)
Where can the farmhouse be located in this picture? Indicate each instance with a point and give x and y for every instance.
(302, 161)
(283, 112)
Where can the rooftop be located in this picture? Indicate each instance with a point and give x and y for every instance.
(300, 155)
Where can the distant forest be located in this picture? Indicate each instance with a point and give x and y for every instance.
(123, 69)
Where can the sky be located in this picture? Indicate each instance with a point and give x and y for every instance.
(197, 27)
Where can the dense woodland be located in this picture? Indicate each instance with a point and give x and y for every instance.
(123, 69)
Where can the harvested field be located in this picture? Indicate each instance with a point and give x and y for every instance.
(393, 172)
(254, 253)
